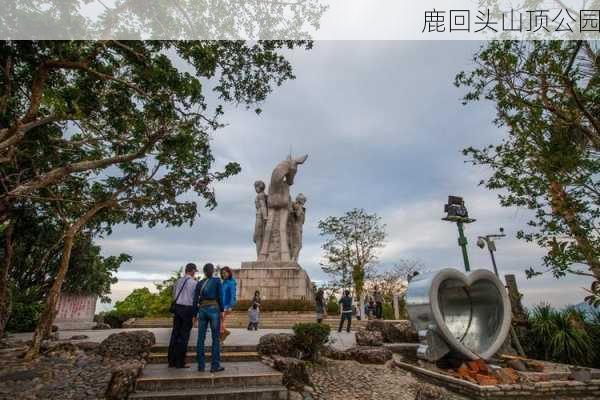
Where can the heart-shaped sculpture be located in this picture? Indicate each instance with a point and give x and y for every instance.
(451, 311)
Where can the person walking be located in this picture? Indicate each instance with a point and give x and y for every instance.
(208, 306)
(346, 310)
(320, 305)
(183, 317)
(253, 317)
(229, 298)
(378, 297)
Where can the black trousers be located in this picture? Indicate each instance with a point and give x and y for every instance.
(345, 317)
(180, 336)
(378, 310)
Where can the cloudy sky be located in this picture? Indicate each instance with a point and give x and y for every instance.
(383, 126)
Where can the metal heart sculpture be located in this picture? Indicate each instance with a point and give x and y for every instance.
(451, 311)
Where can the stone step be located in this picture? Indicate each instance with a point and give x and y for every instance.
(276, 323)
(161, 348)
(161, 358)
(160, 378)
(267, 392)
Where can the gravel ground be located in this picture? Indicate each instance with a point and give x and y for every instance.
(348, 380)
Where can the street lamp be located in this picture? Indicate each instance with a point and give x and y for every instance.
(457, 212)
(488, 240)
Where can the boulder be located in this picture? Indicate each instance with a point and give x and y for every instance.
(79, 337)
(122, 381)
(295, 374)
(280, 344)
(127, 344)
(370, 355)
(369, 338)
(335, 354)
(425, 391)
(88, 346)
(394, 331)
(101, 326)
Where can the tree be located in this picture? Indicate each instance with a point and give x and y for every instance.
(547, 95)
(110, 132)
(395, 280)
(350, 248)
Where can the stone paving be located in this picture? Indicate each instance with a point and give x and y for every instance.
(238, 337)
(349, 380)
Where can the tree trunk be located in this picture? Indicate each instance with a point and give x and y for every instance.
(44, 325)
(4, 272)
(560, 205)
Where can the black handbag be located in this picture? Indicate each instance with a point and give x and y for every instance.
(174, 303)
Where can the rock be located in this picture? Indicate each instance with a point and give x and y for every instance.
(79, 337)
(61, 347)
(507, 375)
(88, 346)
(122, 381)
(425, 391)
(517, 364)
(394, 331)
(335, 354)
(281, 344)
(293, 395)
(101, 326)
(294, 371)
(370, 355)
(369, 338)
(127, 344)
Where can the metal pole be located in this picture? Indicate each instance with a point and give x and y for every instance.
(462, 242)
(493, 260)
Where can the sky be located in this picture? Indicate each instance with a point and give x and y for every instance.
(384, 126)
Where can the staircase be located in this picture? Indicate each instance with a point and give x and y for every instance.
(239, 319)
(244, 378)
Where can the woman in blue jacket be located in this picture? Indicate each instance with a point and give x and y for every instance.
(229, 298)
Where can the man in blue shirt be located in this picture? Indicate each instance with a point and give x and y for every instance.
(183, 293)
(208, 307)
(346, 309)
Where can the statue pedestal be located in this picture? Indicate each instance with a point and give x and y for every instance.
(276, 280)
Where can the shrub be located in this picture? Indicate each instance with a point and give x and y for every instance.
(23, 317)
(333, 307)
(310, 339)
(277, 305)
(388, 311)
(115, 318)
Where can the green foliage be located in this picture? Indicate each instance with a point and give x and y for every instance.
(333, 306)
(24, 316)
(564, 336)
(547, 95)
(277, 305)
(310, 339)
(388, 311)
(115, 318)
(350, 249)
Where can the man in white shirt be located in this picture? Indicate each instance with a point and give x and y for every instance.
(183, 295)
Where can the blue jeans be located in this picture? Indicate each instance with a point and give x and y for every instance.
(209, 314)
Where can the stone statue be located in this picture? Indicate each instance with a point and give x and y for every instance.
(297, 222)
(261, 214)
(276, 243)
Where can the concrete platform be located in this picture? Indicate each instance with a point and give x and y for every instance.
(276, 392)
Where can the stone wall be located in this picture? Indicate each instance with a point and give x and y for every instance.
(274, 283)
(564, 390)
(75, 312)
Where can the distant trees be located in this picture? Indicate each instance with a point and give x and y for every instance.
(547, 95)
(394, 280)
(350, 248)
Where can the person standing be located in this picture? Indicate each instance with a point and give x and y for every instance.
(256, 298)
(253, 317)
(208, 306)
(183, 316)
(378, 297)
(346, 310)
(320, 305)
(229, 298)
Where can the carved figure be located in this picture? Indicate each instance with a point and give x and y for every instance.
(261, 215)
(298, 216)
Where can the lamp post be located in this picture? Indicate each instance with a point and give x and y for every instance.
(457, 212)
(488, 240)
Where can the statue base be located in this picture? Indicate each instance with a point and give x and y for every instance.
(276, 280)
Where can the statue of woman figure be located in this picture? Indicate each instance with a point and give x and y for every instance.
(261, 214)
(298, 216)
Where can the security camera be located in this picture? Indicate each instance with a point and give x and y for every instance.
(501, 230)
(480, 243)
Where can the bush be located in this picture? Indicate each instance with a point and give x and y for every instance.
(333, 307)
(277, 305)
(115, 318)
(388, 311)
(310, 339)
(23, 317)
